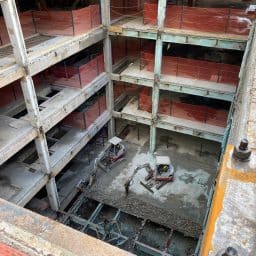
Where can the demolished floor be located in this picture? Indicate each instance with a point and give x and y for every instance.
(180, 205)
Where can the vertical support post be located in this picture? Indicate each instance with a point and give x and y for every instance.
(107, 50)
(157, 73)
(17, 40)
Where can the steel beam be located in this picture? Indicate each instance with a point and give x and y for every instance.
(157, 73)
(17, 40)
(99, 229)
(105, 13)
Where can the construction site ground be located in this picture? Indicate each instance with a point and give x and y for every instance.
(181, 204)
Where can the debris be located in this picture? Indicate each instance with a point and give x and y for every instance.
(147, 187)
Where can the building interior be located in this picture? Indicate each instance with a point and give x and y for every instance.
(128, 127)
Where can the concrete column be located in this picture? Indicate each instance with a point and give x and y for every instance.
(107, 50)
(157, 73)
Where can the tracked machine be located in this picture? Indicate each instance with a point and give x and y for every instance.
(111, 156)
(160, 175)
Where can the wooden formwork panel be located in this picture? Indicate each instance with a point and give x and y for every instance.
(6, 95)
(183, 110)
(119, 89)
(55, 22)
(213, 20)
(87, 113)
(27, 25)
(68, 23)
(197, 69)
(102, 103)
(77, 74)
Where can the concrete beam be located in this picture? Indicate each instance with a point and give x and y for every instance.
(136, 28)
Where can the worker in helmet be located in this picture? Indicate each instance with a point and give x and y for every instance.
(163, 169)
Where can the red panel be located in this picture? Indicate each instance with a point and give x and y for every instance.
(27, 25)
(92, 113)
(145, 100)
(150, 13)
(150, 65)
(75, 119)
(145, 106)
(215, 20)
(169, 65)
(131, 89)
(217, 117)
(229, 74)
(17, 90)
(103, 104)
(6, 250)
(68, 23)
(54, 22)
(147, 60)
(164, 107)
(100, 60)
(118, 48)
(6, 95)
(133, 47)
(187, 71)
(88, 72)
(133, 7)
(65, 76)
(82, 20)
(119, 89)
(149, 46)
(239, 22)
(95, 14)
(189, 111)
(78, 75)
(145, 91)
(116, 9)
(173, 17)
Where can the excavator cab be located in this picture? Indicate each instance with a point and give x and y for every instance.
(164, 170)
(116, 149)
